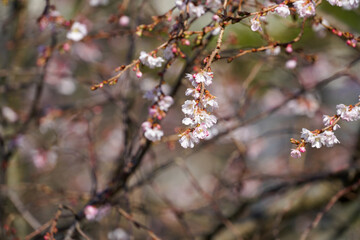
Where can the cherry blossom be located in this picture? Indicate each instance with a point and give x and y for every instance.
(165, 103)
(194, 11)
(282, 10)
(216, 4)
(9, 114)
(168, 52)
(295, 153)
(95, 3)
(93, 213)
(273, 51)
(150, 61)
(152, 131)
(348, 113)
(189, 107)
(291, 64)
(124, 21)
(330, 138)
(118, 234)
(77, 32)
(204, 77)
(198, 112)
(255, 24)
(201, 131)
(305, 8)
(188, 140)
(346, 4)
(90, 212)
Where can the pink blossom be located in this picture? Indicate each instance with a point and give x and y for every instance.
(90, 212)
(295, 153)
(124, 21)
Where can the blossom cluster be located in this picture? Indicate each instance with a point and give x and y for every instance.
(348, 113)
(198, 112)
(157, 111)
(346, 4)
(199, 9)
(326, 136)
(150, 61)
(305, 8)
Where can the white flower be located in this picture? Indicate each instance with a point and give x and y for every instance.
(291, 64)
(327, 138)
(153, 94)
(168, 53)
(282, 10)
(155, 62)
(201, 132)
(93, 213)
(216, 31)
(152, 133)
(165, 103)
(180, 5)
(295, 153)
(191, 78)
(204, 77)
(146, 125)
(150, 61)
(273, 51)
(189, 107)
(327, 120)
(187, 140)
(210, 103)
(66, 86)
(118, 234)
(330, 138)
(90, 212)
(202, 117)
(188, 121)
(216, 4)
(350, 4)
(194, 10)
(197, 11)
(316, 140)
(305, 8)
(198, 112)
(9, 114)
(95, 3)
(336, 2)
(345, 113)
(193, 92)
(336, 126)
(346, 4)
(77, 32)
(255, 24)
(306, 134)
(143, 57)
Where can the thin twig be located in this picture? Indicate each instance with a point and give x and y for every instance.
(327, 208)
(138, 224)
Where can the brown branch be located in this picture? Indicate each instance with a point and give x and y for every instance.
(327, 208)
(137, 224)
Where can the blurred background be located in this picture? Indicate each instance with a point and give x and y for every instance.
(60, 142)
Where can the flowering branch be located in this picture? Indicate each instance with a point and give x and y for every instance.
(325, 136)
